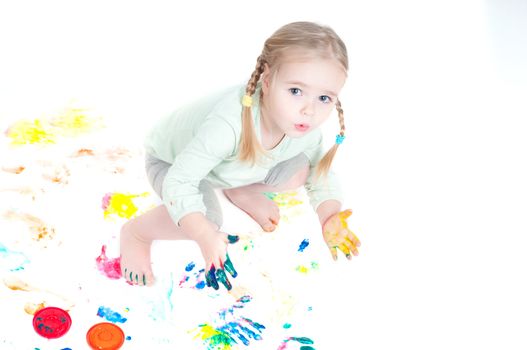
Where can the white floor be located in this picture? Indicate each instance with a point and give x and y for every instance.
(433, 168)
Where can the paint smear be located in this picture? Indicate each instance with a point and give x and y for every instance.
(303, 245)
(58, 175)
(31, 132)
(301, 340)
(32, 308)
(306, 269)
(230, 328)
(284, 199)
(111, 268)
(14, 170)
(16, 284)
(75, 121)
(195, 279)
(13, 261)
(39, 230)
(120, 204)
(110, 315)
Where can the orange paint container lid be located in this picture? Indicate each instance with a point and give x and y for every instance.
(105, 336)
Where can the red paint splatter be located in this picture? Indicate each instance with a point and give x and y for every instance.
(111, 268)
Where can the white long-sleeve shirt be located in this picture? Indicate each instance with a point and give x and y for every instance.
(201, 141)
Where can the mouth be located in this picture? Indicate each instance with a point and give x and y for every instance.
(302, 127)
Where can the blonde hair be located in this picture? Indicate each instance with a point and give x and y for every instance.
(309, 38)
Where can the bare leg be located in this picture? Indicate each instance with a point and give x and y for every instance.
(136, 239)
(264, 211)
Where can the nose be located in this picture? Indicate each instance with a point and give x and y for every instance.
(309, 109)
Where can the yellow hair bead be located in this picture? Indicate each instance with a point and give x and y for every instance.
(247, 101)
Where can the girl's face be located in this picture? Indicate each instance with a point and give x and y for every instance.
(301, 95)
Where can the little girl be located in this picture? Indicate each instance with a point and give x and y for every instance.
(262, 137)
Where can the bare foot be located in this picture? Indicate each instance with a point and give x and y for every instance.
(263, 210)
(135, 258)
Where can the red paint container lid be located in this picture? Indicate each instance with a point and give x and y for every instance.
(105, 336)
(51, 322)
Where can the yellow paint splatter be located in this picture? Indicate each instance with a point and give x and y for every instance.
(120, 204)
(32, 308)
(285, 199)
(31, 132)
(75, 121)
(305, 269)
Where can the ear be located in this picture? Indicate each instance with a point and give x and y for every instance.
(266, 77)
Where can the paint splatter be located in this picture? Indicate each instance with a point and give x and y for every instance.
(230, 329)
(303, 245)
(75, 121)
(284, 199)
(111, 268)
(40, 231)
(32, 308)
(286, 325)
(195, 280)
(30, 132)
(301, 340)
(306, 269)
(120, 204)
(14, 170)
(110, 315)
(13, 261)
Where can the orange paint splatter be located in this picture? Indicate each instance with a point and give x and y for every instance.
(37, 227)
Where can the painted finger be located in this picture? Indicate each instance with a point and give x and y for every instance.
(333, 251)
(229, 267)
(221, 276)
(210, 278)
(344, 248)
(343, 215)
(351, 245)
(355, 239)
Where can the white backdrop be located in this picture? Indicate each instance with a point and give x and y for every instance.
(434, 165)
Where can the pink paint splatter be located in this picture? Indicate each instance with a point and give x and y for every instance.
(111, 268)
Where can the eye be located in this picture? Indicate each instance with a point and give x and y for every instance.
(295, 91)
(325, 99)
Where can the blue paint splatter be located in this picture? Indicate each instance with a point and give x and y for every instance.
(303, 245)
(128, 338)
(201, 285)
(190, 266)
(170, 291)
(15, 261)
(110, 315)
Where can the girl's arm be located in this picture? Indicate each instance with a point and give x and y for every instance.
(327, 209)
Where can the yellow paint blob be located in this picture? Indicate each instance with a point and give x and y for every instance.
(75, 121)
(121, 204)
(31, 132)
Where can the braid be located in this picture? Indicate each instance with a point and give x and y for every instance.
(249, 145)
(325, 163)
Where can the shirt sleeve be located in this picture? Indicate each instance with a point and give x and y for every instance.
(323, 188)
(214, 141)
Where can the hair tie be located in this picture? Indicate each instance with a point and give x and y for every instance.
(247, 101)
(340, 139)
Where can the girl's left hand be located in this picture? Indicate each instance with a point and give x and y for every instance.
(337, 235)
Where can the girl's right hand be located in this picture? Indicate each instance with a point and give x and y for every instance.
(213, 245)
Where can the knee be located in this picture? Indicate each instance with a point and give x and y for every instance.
(298, 179)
